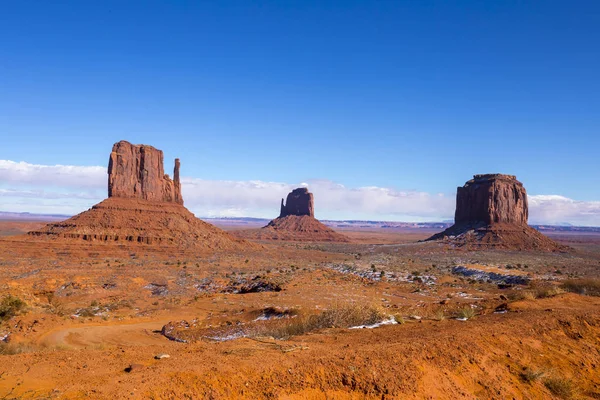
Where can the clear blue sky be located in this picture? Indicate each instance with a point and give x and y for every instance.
(407, 94)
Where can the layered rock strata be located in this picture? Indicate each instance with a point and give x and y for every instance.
(144, 206)
(492, 212)
(137, 172)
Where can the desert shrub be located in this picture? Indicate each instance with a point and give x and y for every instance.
(467, 313)
(87, 312)
(339, 316)
(544, 290)
(590, 287)
(529, 375)
(536, 290)
(11, 306)
(8, 349)
(560, 387)
(439, 315)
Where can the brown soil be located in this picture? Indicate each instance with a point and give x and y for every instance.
(141, 221)
(295, 228)
(500, 236)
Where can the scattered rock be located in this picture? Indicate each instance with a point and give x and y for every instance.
(490, 277)
(501, 308)
(161, 356)
(134, 367)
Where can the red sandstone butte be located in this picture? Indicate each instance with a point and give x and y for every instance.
(296, 222)
(144, 207)
(299, 202)
(492, 212)
(490, 199)
(137, 172)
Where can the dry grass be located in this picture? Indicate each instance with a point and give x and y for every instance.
(589, 287)
(11, 306)
(467, 313)
(537, 290)
(560, 387)
(339, 316)
(530, 375)
(8, 349)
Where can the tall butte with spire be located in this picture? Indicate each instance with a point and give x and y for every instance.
(137, 172)
(492, 212)
(296, 222)
(144, 205)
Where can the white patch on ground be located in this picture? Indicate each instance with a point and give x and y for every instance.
(389, 321)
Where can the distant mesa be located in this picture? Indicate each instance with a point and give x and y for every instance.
(143, 206)
(492, 212)
(296, 222)
(136, 171)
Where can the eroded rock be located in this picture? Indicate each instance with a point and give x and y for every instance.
(137, 172)
(299, 202)
(492, 198)
(492, 212)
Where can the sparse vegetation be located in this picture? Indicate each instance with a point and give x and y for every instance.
(439, 315)
(560, 387)
(589, 287)
(530, 375)
(544, 290)
(11, 306)
(537, 290)
(339, 316)
(8, 349)
(467, 312)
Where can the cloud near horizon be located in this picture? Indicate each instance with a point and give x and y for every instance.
(68, 189)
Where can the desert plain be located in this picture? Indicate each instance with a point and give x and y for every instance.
(93, 319)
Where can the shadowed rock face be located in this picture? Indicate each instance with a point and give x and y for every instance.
(298, 202)
(137, 172)
(490, 199)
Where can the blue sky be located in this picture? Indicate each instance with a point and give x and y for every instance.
(406, 95)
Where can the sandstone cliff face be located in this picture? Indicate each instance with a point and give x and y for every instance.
(491, 199)
(137, 172)
(492, 212)
(299, 202)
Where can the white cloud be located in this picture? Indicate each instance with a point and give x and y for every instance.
(332, 200)
(52, 175)
(71, 189)
(553, 209)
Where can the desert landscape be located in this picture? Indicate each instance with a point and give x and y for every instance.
(137, 298)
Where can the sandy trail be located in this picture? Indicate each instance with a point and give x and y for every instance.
(97, 336)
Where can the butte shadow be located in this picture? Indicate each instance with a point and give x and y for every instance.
(492, 212)
(144, 205)
(296, 222)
